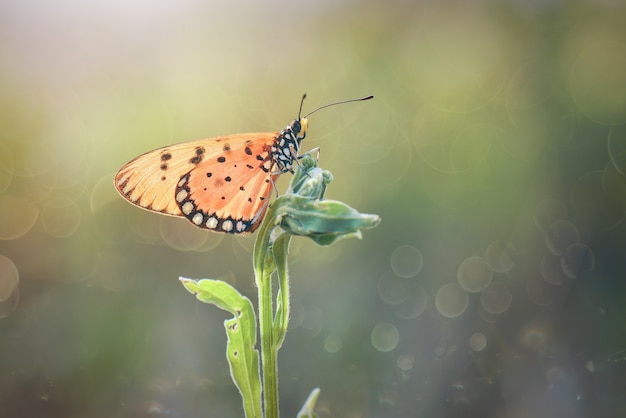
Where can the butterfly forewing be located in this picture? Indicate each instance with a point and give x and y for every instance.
(222, 183)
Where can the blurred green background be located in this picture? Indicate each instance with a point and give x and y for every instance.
(494, 151)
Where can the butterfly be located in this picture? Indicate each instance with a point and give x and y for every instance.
(222, 184)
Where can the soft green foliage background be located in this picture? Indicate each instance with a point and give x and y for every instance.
(498, 127)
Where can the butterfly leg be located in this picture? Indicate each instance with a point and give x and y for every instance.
(287, 166)
(315, 150)
(275, 188)
(296, 158)
(273, 177)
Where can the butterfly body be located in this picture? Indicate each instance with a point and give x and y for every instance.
(222, 184)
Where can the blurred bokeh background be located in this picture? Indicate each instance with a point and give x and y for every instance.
(494, 151)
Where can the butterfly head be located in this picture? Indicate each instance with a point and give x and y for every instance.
(299, 127)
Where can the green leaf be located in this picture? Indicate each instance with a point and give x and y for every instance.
(242, 356)
(280, 250)
(324, 221)
(309, 405)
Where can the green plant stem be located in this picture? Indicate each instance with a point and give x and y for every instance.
(301, 211)
(263, 268)
(268, 351)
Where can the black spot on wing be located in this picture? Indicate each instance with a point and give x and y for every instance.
(199, 155)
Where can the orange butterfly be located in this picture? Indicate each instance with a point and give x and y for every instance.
(222, 184)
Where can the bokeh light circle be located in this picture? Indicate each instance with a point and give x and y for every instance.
(478, 341)
(103, 193)
(60, 217)
(144, 228)
(9, 286)
(547, 212)
(474, 275)
(451, 300)
(551, 270)
(385, 337)
(496, 298)
(560, 235)
(182, 235)
(407, 261)
(312, 319)
(617, 148)
(333, 343)
(405, 362)
(415, 302)
(578, 260)
(500, 256)
(391, 288)
(17, 216)
(36, 160)
(534, 336)
(9, 278)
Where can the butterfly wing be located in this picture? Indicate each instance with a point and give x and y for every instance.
(222, 184)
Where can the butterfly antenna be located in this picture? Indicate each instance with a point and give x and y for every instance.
(333, 104)
(301, 103)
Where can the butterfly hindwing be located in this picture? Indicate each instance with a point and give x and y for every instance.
(206, 170)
